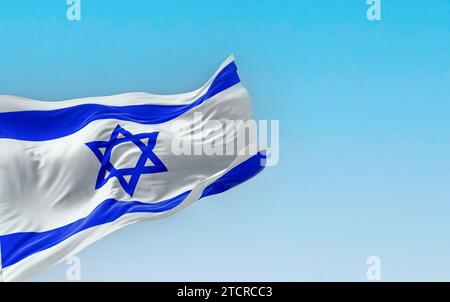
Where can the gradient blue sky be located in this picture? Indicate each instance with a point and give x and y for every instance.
(364, 113)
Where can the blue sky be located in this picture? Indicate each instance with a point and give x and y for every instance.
(364, 115)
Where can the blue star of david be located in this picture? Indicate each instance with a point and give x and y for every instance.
(128, 177)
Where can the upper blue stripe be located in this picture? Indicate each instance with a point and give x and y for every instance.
(18, 246)
(52, 124)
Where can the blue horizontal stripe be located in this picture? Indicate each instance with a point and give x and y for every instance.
(237, 175)
(18, 246)
(52, 124)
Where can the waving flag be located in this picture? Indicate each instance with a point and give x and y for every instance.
(72, 172)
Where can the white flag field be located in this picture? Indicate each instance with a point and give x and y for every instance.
(72, 172)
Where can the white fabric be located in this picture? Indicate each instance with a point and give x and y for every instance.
(48, 184)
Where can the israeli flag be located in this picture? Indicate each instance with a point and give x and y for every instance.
(72, 172)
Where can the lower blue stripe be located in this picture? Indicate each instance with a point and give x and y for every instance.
(18, 246)
(237, 175)
(52, 124)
